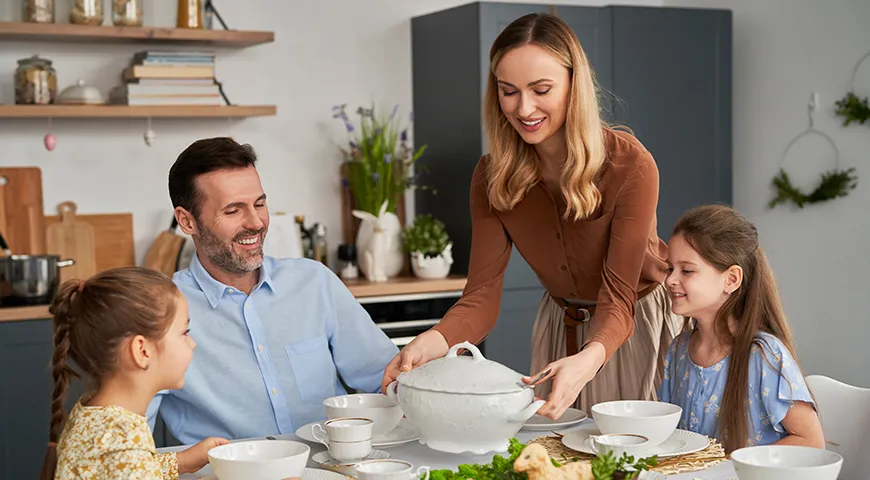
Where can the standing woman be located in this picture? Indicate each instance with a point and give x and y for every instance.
(578, 200)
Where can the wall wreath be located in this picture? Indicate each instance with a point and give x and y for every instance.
(852, 107)
(833, 184)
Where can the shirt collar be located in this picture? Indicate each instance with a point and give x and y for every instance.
(214, 290)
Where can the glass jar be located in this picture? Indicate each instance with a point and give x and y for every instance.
(86, 12)
(38, 11)
(35, 81)
(189, 14)
(127, 13)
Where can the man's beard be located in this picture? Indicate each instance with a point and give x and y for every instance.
(225, 256)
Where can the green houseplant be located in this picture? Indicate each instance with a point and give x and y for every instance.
(377, 158)
(430, 247)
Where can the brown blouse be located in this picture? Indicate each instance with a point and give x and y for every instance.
(612, 258)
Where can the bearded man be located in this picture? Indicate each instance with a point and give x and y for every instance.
(275, 337)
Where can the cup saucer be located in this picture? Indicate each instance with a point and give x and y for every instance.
(325, 460)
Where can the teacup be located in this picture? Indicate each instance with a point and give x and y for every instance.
(618, 444)
(346, 429)
(347, 439)
(390, 470)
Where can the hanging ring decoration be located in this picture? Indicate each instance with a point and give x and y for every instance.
(834, 183)
(851, 107)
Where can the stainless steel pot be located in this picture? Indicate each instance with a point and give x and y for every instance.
(29, 279)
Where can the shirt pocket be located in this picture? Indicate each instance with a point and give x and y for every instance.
(313, 367)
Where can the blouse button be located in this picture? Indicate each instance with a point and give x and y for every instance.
(558, 236)
(564, 267)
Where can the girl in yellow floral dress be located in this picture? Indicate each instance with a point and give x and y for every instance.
(127, 329)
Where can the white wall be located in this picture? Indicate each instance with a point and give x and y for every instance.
(783, 51)
(326, 52)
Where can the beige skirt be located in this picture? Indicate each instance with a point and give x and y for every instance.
(633, 372)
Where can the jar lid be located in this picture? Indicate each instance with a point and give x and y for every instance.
(34, 59)
(462, 374)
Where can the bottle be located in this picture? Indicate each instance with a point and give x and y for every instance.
(38, 11)
(321, 252)
(347, 257)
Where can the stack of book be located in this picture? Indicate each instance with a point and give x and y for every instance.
(169, 78)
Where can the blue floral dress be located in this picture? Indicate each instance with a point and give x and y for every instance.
(775, 383)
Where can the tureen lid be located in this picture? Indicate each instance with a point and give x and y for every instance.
(462, 374)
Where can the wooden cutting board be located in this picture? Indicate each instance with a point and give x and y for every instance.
(165, 251)
(22, 221)
(72, 238)
(113, 238)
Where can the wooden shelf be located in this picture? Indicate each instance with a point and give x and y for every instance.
(361, 288)
(126, 111)
(85, 33)
(15, 314)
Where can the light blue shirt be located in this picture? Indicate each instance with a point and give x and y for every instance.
(265, 362)
(775, 383)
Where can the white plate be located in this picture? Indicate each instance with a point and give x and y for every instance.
(308, 474)
(403, 433)
(347, 468)
(682, 442)
(571, 417)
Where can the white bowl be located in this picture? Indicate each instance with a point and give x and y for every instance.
(384, 412)
(785, 462)
(265, 459)
(656, 421)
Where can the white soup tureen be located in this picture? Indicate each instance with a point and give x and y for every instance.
(465, 404)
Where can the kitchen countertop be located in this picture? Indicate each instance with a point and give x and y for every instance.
(360, 288)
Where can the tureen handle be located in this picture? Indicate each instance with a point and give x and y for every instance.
(523, 415)
(468, 346)
(393, 391)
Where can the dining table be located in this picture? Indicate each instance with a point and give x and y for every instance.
(421, 455)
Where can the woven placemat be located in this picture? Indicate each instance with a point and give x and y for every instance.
(710, 456)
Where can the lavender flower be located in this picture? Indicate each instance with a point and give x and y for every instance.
(395, 110)
(404, 135)
(348, 126)
(352, 145)
(375, 177)
(345, 183)
(387, 158)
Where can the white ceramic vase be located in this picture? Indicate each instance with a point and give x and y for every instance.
(379, 244)
(432, 267)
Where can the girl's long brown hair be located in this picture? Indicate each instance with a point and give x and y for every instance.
(724, 238)
(91, 320)
(512, 169)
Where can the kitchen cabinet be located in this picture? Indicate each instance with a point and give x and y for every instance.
(664, 72)
(26, 348)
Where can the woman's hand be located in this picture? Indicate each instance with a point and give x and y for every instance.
(570, 375)
(427, 346)
(195, 457)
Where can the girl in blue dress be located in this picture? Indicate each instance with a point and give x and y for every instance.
(733, 369)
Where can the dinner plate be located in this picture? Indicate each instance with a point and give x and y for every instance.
(403, 433)
(571, 417)
(325, 460)
(308, 474)
(682, 442)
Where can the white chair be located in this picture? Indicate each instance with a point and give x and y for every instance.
(845, 414)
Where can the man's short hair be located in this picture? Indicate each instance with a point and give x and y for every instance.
(202, 157)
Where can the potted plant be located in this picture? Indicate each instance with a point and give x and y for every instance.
(430, 247)
(378, 158)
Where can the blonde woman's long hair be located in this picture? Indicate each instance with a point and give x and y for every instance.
(512, 168)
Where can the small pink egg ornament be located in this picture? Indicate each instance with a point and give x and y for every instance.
(50, 142)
